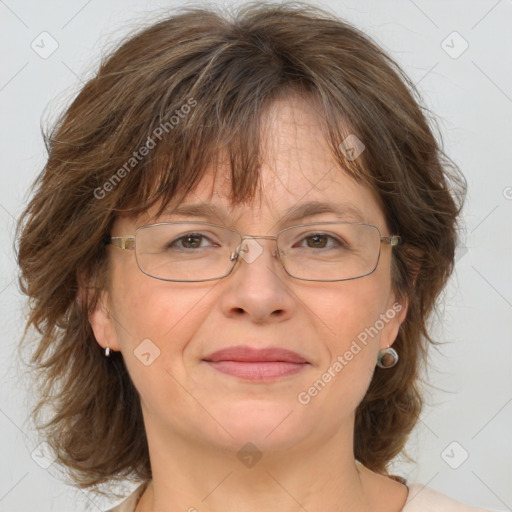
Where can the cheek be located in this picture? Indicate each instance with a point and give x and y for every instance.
(154, 321)
(158, 321)
(351, 308)
(350, 318)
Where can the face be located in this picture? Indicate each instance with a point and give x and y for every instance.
(336, 327)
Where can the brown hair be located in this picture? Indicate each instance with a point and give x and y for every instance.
(226, 70)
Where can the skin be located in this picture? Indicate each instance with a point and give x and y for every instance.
(196, 418)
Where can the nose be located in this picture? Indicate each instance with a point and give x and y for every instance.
(257, 288)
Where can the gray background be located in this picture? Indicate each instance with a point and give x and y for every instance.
(469, 409)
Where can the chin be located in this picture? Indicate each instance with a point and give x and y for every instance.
(268, 425)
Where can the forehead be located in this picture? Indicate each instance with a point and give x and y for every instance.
(288, 195)
(297, 167)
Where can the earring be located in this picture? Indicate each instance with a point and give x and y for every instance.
(107, 351)
(387, 358)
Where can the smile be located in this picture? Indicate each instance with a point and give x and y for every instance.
(257, 371)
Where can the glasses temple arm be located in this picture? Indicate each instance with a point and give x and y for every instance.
(391, 240)
(123, 242)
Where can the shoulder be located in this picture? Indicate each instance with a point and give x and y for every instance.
(130, 503)
(425, 499)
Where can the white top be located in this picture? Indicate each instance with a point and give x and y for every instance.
(424, 499)
(419, 499)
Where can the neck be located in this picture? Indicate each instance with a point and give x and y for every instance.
(192, 476)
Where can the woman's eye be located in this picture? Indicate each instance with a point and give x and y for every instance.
(321, 241)
(189, 241)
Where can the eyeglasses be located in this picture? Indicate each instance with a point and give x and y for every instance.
(200, 251)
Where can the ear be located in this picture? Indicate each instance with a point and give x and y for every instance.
(398, 305)
(102, 324)
(394, 316)
(100, 318)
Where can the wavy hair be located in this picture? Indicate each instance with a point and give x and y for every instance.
(195, 83)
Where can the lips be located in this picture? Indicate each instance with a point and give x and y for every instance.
(256, 364)
(253, 355)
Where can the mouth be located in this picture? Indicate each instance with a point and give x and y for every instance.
(256, 364)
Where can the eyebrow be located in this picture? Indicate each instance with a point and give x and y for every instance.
(295, 213)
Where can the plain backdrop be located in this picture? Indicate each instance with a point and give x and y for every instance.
(458, 53)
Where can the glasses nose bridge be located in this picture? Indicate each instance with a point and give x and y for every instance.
(239, 249)
(264, 237)
(268, 237)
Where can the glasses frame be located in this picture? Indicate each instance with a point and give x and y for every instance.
(128, 243)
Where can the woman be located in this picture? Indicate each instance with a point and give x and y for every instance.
(232, 254)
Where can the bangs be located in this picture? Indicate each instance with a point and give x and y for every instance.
(208, 133)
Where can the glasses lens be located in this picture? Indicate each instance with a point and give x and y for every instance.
(184, 251)
(330, 251)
